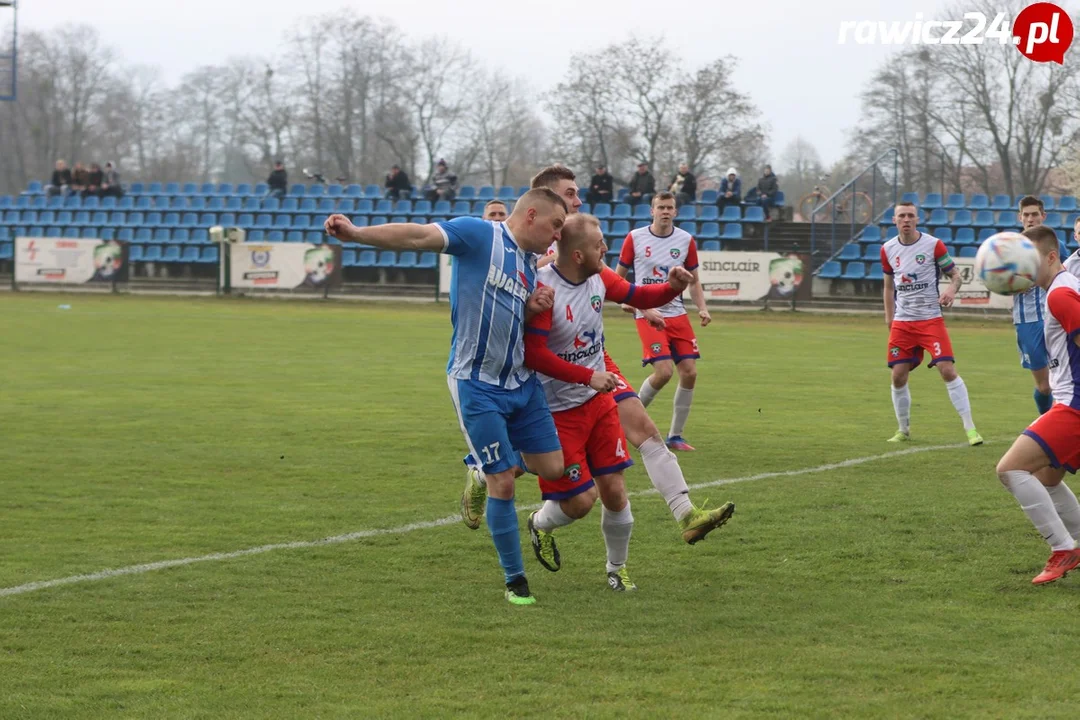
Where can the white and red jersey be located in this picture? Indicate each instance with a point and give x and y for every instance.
(1062, 327)
(572, 331)
(651, 257)
(1072, 263)
(915, 269)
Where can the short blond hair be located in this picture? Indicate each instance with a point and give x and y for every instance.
(575, 231)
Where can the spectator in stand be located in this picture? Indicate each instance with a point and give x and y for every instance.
(730, 190)
(278, 181)
(642, 185)
(495, 211)
(94, 179)
(767, 188)
(110, 183)
(444, 183)
(601, 187)
(79, 179)
(684, 186)
(61, 180)
(398, 186)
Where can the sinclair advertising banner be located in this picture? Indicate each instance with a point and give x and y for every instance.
(753, 276)
(284, 266)
(64, 261)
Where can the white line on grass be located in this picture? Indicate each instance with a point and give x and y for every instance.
(427, 525)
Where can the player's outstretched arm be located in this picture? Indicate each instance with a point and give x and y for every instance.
(540, 358)
(645, 297)
(889, 295)
(393, 236)
(1064, 305)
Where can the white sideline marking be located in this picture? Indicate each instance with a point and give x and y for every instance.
(426, 525)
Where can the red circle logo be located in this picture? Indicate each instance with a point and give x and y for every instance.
(1043, 32)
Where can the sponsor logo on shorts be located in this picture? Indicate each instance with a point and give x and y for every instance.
(655, 348)
(573, 473)
(895, 352)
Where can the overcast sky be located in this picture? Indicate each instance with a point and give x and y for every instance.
(791, 64)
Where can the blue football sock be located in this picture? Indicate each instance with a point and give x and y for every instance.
(1043, 402)
(503, 523)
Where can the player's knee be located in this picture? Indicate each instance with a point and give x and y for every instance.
(948, 371)
(579, 506)
(638, 426)
(661, 374)
(549, 465)
(613, 495)
(687, 374)
(899, 378)
(500, 485)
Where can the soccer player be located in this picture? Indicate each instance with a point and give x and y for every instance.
(912, 263)
(500, 403)
(667, 339)
(1033, 469)
(661, 465)
(495, 211)
(1028, 315)
(565, 344)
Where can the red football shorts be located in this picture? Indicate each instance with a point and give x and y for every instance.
(909, 338)
(624, 389)
(592, 443)
(1058, 432)
(675, 342)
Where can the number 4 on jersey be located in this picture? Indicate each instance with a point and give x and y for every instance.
(569, 314)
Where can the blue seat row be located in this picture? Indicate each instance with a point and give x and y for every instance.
(959, 201)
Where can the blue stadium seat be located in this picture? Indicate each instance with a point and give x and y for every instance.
(144, 235)
(377, 220)
(690, 227)
(327, 206)
(366, 258)
(334, 190)
(56, 202)
(486, 192)
(373, 192)
(871, 234)
(283, 222)
(252, 204)
(116, 218)
(348, 258)
(136, 188)
(911, 197)
(709, 231)
(983, 218)
(616, 244)
(876, 273)
(507, 193)
(1001, 202)
(47, 217)
(849, 252)
(224, 219)
(153, 189)
(602, 211)
(297, 190)
(264, 221)
(256, 236)
(397, 219)
(199, 236)
(39, 202)
(711, 246)
(732, 231)
(428, 261)
(70, 232)
(294, 236)
(985, 233)
(1053, 219)
(620, 228)
(872, 253)
(292, 204)
(1008, 218)
(172, 188)
(708, 213)
(686, 212)
(171, 254)
(91, 203)
(951, 250)
(956, 201)
(30, 217)
(125, 235)
(962, 218)
(1067, 204)
(35, 231)
(65, 217)
(354, 191)
(407, 259)
(622, 212)
(1069, 221)
(235, 204)
(943, 234)
(964, 236)
(830, 270)
(275, 236)
(932, 201)
(170, 220)
(1048, 202)
(305, 222)
(364, 207)
(209, 254)
(892, 232)
(779, 199)
(162, 235)
(191, 189)
(461, 208)
(421, 208)
(708, 197)
(403, 207)
(641, 212)
(754, 214)
(135, 253)
(180, 236)
(107, 203)
(979, 202)
(939, 216)
(732, 213)
(107, 233)
(467, 192)
(969, 251)
(191, 220)
(383, 207)
(478, 208)
(345, 205)
(314, 237)
(387, 259)
(854, 271)
(126, 203)
(152, 253)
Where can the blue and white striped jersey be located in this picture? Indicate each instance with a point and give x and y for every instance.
(1031, 305)
(490, 284)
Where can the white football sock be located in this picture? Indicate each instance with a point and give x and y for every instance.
(1036, 503)
(1068, 509)
(666, 475)
(617, 527)
(683, 398)
(647, 392)
(551, 516)
(959, 395)
(901, 401)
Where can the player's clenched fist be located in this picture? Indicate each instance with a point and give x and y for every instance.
(603, 381)
(339, 226)
(542, 299)
(679, 278)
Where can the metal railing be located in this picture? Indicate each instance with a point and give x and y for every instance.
(861, 201)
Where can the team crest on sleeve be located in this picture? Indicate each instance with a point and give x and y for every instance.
(920, 258)
(675, 252)
(596, 303)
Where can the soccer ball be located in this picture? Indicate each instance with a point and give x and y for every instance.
(1007, 263)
